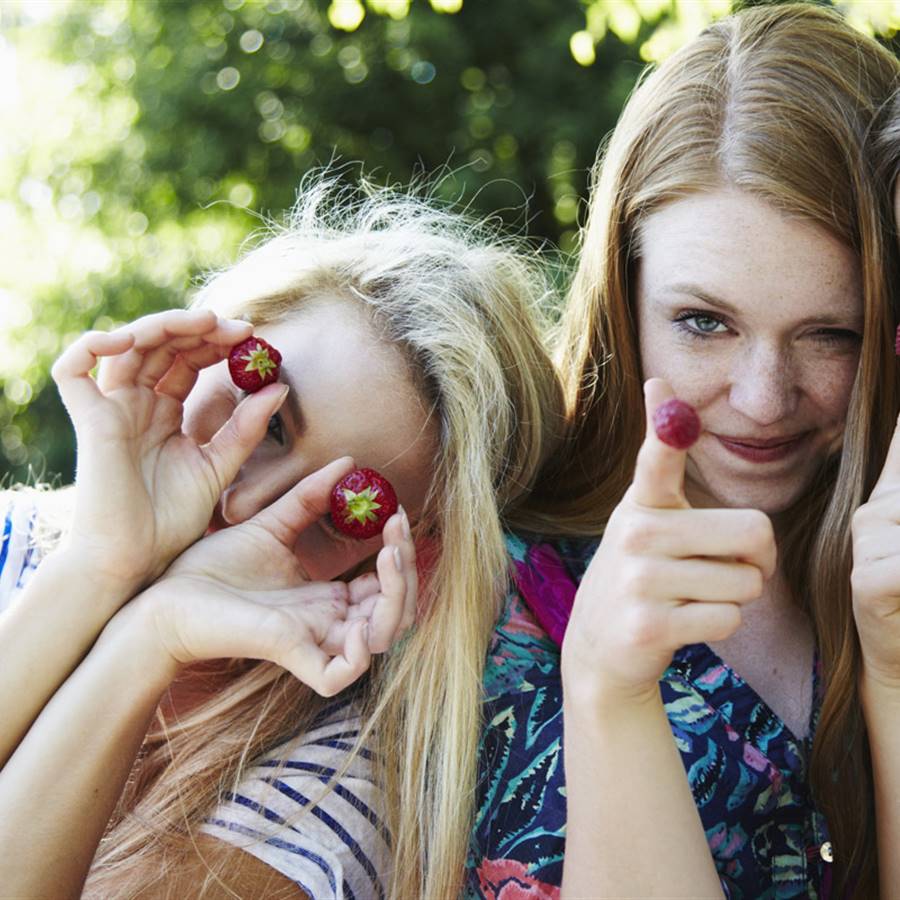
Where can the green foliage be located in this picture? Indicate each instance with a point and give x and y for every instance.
(140, 138)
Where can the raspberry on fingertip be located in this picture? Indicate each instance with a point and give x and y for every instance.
(677, 424)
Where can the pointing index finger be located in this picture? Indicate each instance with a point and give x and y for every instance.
(659, 471)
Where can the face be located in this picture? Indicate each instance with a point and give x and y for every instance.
(351, 394)
(755, 319)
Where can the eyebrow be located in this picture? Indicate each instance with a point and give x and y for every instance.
(693, 290)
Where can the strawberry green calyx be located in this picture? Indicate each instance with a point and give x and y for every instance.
(361, 506)
(258, 360)
(254, 363)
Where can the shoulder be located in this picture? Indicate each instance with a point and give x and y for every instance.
(311, 810)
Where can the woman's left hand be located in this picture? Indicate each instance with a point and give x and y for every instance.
(242, 592)
(875, 577)
(145, 490)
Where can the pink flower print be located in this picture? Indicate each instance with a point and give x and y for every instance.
(547, 588)
(508, 879)
(755, 759)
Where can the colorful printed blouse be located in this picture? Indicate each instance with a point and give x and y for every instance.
(747, 771)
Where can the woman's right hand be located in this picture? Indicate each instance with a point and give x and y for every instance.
(665, 575)
(242, 592)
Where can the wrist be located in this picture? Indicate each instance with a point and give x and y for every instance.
(136, 628)
(67, 583)
(595, 702)
(111, 581)
(877, 687)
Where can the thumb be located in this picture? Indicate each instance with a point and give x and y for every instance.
(230, 446)
(659, 471)
(304, 504)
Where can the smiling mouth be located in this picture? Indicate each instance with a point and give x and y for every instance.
(763, 451)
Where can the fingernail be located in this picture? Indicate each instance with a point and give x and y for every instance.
(398, 560)
(404, 522)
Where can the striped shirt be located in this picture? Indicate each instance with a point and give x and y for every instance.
(330, 841)
(19, 557)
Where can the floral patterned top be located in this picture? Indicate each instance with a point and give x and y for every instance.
(747, 771)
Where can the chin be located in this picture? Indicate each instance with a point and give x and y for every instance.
(771, 499)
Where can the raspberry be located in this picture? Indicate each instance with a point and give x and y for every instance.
(897, 341)
(676, 423)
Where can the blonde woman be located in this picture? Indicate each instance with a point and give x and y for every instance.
(411, 344)
(718, 671)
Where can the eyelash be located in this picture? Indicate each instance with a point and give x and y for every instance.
(339, 537)
(829, 337)
(682, 319)
(279, 428)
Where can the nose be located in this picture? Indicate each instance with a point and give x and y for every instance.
(763, 385)
(257, 485)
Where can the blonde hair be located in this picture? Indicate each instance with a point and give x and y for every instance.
(776, 101)
(464, 305)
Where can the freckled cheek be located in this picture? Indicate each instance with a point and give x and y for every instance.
(829, 384)
(697, 379)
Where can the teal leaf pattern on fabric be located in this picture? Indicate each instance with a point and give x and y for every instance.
(747, 772)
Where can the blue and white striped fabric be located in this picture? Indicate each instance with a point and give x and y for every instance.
(18, 555)
(332, 843)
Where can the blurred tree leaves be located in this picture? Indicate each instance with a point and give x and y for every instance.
(138, 138)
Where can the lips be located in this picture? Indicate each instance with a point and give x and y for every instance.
(763, 451)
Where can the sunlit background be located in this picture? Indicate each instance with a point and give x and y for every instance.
(141, 139)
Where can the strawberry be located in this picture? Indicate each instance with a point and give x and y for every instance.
(361, 503)
(676, 423)
(253, 364)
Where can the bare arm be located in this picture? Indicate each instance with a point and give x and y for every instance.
(61, 785)
(875, 582)
(665, 575)
(238, 593)
(632, 828)
(881, 707)
(144, 491)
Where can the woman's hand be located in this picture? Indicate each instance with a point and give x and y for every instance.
(875, 578)
(242, 592)
(144, 489)
(664, 575)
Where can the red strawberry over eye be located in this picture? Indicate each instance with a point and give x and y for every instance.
(361, 503)
(676, 423)
(253, 364)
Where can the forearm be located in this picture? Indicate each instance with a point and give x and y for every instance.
(881, 708)
(632, 827)
(44, 635)
(61, 785)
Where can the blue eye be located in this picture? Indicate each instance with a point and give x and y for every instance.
(697, 323)
(275, 430)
